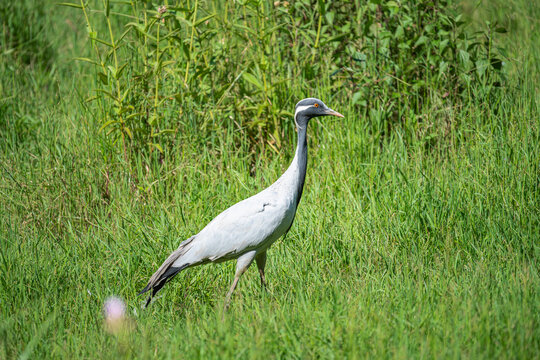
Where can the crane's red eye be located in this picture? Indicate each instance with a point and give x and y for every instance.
(316, 105)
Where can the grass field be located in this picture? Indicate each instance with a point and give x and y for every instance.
(403, 246)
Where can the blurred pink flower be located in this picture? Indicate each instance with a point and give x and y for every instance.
(114, 309)
(117, 321)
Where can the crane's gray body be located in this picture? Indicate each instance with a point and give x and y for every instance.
(252, 224)
(247, 229)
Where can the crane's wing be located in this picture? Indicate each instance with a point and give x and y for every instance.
(251, 224)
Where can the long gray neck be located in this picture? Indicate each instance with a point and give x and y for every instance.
(292, 180)
(300, 160)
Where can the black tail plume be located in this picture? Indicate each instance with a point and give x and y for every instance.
(166, 271)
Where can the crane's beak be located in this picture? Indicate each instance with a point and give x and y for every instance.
(334, 113)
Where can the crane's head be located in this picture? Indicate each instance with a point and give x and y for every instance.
(310, 108)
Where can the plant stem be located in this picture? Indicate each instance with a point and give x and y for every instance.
(318, 36)
(193, 19)
(157, 73)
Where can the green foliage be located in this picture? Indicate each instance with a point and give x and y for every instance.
(422, 243)
(187, 70)
(22, 34)
(411, 57)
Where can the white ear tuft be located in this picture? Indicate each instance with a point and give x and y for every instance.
(298, 110)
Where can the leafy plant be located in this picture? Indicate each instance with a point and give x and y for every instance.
(167, 74)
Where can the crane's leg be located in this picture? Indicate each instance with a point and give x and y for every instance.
(261, 263)
(242, 264)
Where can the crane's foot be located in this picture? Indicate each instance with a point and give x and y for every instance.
(226, 304)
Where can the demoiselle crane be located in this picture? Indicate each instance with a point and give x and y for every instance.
(247, 229)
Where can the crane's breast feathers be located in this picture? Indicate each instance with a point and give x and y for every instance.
(254, 223)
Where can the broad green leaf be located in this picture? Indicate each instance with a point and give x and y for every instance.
(87, 60)
(131, 116)
(253, 80)
(204, 19)
(128, 132)
(356, 97)
(157, 146)
(102, 42)
(107, 124)
(421, 40)
(118, 74)
(103, 78)
(69, 5)
(106, 93)
(166, 131)
(464, 57)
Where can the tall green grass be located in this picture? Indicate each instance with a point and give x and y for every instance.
(403, 247)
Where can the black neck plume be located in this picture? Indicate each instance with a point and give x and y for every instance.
(301, 158)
